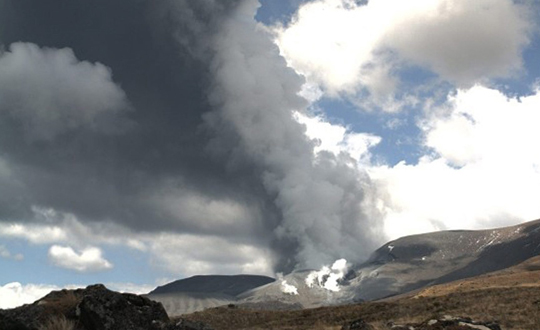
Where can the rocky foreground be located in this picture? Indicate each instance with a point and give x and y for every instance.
(93, 308)
(444, 322)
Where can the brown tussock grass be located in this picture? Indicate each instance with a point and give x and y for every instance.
(515, 308)
(57, 322)
(62, 302)
(510, 297)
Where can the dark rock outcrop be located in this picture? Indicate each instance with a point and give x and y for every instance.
(102, 309)
(9, 323)
(94, 308)
(448, 322)
(357, 325)
(439, 323)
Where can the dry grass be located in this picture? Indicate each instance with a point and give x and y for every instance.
(63, 302)
(57, 322)
(511, 297)
(59, 310)
(514, 308)
(526, 274)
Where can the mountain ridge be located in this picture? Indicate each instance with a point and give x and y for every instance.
(398, 266)
(231, 285)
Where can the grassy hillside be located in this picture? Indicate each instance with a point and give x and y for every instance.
(511, 297)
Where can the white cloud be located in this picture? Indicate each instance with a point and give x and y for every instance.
(484, 125)
(87, 260)
(337, 139)
(484, 170)
(171, 252)
(15, 294)
(460, 40)
(329, 42)
(52, 227)
(36, 234)
(191, 255)
(131, 287)
(208, 214)
(346, 47)
(50, 91)
(5, 253)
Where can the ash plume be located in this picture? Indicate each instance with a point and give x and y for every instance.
(201, 137)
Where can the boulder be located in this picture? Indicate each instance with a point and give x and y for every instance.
(93, 308)
(7, 322)
(102, 309)
(358, 324)
(448, 322)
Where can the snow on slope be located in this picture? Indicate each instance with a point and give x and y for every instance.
(397, 267)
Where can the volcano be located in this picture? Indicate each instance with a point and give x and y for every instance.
(399, 266)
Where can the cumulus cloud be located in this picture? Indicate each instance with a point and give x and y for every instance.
(479, 168)
(52, 227)
(223, 169)
(65, 180)
(216, 158)
(482, 169)
(337, 138)
(174, 253)
(195, 255)
(42, 89)
(461, 41)
(16, 294)
(87, 260)
(483, 124)
(34, 234)
(348, 47)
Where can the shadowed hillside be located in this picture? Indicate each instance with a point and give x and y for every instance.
(229, 285)
(510, 297)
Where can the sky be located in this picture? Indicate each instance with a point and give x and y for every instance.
(142, 141)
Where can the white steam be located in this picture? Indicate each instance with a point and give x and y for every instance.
(288, 288)
(320, 196)
(328, 277)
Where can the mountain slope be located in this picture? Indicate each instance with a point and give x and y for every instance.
(411, 263)
(400, 266)
(510, 297)
(229, 285)
(418, 261)
(205, 291)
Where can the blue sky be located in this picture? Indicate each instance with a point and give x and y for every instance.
(419, 116)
